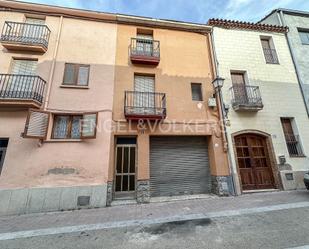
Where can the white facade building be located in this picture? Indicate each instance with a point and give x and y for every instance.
(267, 123)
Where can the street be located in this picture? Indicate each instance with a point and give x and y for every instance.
(275, 229)
(261, 220)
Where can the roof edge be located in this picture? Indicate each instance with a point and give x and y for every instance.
(287, 11)
(232, 24)
(51, 10)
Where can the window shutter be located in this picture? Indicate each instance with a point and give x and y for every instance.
(89, 125)
(36, 124)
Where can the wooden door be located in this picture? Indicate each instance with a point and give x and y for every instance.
(253, 162)
(239, 87)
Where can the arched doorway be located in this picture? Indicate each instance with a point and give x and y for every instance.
(253, 158)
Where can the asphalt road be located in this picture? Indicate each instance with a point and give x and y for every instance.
(276, 229)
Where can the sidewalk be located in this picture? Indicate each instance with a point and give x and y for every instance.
(165, 210)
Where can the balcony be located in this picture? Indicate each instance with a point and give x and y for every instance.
(21, 90)
(145, 51)
(144, 105)
(25, 36)
(246, 98)
(270, 56)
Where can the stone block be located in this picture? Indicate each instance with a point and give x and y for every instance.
(222, 185)
(98, 198)
(68, 199)
(5, 196)
(143, 191)
(18, 201)
(35, 201)
(52, 199)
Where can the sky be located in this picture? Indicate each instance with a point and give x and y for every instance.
(198, 11)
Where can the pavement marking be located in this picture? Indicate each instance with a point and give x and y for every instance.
(300, 247)
(143, 222)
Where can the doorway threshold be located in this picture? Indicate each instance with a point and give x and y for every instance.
(181, 198)
(123, 202)
(260, 190)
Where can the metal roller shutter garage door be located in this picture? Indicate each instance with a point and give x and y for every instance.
(178, 166)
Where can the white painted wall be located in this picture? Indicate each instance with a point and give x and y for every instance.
(242, 50)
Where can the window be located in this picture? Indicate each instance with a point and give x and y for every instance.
(75, 126)
(67, 126)
(76, 74)
(196, 90)
(304, 36)
(270, 53)
(3, 146)
(292, 140)
(32, 20)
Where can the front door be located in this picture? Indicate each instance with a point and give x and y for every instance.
(125, 171)
(253, 162)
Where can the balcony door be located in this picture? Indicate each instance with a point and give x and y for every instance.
(21, 84)
(144, 44)
(239, 87)
(144, 98)
(33, 33)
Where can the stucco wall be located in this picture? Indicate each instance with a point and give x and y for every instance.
(26, 164)
(301, 51)
(241, 50)
(185, 59)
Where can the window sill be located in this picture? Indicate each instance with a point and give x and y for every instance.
(74, 86)
(300, 156)
(62, 140)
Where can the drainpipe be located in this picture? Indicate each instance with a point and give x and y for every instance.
(302, 90)
(232, 169)
(52, 69)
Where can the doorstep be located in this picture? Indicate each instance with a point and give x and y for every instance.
(181, 198)
(260, 191)
(123, 202)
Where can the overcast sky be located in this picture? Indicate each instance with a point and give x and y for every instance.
(185, 10)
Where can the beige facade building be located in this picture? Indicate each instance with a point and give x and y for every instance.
(163, 84)
(266, 120)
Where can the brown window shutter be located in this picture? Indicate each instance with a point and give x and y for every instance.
(36, 124)
(89, 125)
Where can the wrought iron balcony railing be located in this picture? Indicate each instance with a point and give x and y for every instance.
(144, 105)
(145, 51)
(293, 144)
(271, 56)
(25, 34)
(21, 87)
(247, 98)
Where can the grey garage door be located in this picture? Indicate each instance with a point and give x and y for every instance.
(179, 165)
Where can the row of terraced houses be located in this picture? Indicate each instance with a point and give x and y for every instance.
(99, 108)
